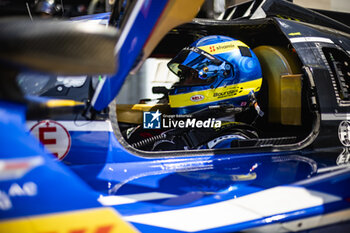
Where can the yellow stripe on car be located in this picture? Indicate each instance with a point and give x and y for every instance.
(99, 220)
(215, 94)
(55, 103)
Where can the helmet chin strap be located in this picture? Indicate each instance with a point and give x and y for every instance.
(254, 102)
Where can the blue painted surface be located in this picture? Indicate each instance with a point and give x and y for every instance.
(108, 168)
(88, 147)
(51, 186)
(12, 123)
(130, 50)
(195, 180)
(342, 204)
(203, 180)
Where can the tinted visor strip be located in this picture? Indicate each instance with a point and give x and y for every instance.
(215, 60)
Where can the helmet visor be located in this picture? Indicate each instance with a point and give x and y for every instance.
(195, 67)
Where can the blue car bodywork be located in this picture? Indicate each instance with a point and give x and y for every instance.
(102, 182)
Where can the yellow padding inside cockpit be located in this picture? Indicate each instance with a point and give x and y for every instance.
(291, 99)
(133, 113)
(282, 71)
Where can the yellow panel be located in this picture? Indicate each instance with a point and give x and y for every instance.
(62, 103)
(99, 220)
(133, 113)
(276, 62)
(15, 226)
(291, 99)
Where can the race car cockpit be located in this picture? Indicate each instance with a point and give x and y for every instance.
(298, 95)
(275, 110)
(218, 79)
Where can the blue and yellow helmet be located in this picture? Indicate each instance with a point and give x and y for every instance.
(213, 70)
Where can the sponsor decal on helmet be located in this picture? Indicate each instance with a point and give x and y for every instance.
(222, 47)
(196, 98)
(220, 93)
(231, 92)
(226, 46)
